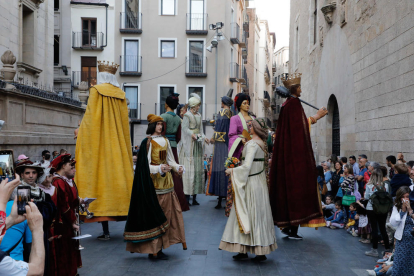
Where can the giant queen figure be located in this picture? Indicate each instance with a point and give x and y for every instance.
(294, 194)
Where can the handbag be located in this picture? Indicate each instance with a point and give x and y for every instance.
(324, 189)
(340, 193)
(348, 199)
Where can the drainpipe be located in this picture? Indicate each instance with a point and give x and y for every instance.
(97, 4)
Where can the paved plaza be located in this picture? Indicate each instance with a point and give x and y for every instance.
(322, 252)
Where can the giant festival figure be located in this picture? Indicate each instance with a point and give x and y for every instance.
(295, 197)
(104, 151)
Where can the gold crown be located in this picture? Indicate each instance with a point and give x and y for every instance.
(291, 80)
(108, 68)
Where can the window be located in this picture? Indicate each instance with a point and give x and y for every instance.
(57, 5)
(167, 49)
(197, 15)
(165, 91)
(89, 32)
(131, 93)
(168, 7)
(56, 52)
(88, 72)
(196, 56)
(131, 57)
(131, 18)
(29, 32)
(200, 92)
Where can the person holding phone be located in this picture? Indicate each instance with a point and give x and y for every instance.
(402, 218)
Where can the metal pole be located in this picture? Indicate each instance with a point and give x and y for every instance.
(216, 72)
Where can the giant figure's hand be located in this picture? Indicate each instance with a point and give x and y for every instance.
(321, 113)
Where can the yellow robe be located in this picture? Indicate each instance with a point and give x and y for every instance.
(104, 168)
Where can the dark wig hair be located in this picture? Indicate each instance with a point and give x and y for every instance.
(172, 102)
(241, 98)
(151, 128)
(319, 170)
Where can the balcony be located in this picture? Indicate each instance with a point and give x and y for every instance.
(246, 23)
(234, 71)
(87, 41)
(197, 24)
(79, 76)
(244, 41)
(196, 67)
(130, 23)
(243, 77)
(267, 75)
(130, 66)
(235, 33)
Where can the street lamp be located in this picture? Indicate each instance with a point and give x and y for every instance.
(214, 43)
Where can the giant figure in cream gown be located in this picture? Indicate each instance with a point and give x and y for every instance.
(250, 225)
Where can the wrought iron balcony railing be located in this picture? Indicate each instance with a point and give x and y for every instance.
(79, 76)
(87, 40)
(234, 71)
(197, 23)
(235, 33)
(196, 66)
(130, 23)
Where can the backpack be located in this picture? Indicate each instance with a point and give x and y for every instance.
(381, 201)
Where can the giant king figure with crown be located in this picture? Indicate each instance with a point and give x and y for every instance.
(294, 192)
(104, 152)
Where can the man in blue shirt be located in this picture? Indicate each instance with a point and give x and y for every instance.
(362, 160)
(354, 164)
(14, 234)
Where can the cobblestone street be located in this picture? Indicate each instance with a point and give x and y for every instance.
(322, 252)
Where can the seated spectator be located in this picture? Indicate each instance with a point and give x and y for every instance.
(337, 220)
(400, 179)
(402, 218)
(328, 207)
(351, 226)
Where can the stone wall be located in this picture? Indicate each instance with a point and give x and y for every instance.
(33, 124)
(365, 58)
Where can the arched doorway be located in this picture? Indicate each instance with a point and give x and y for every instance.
(335, 120)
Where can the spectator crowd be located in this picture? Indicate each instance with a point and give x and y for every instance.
(374, 203)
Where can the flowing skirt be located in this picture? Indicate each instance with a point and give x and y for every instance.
(262, 239)
(219, 180)
(175, 233)
(193, 178)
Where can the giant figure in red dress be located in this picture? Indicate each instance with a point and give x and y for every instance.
(294, 194)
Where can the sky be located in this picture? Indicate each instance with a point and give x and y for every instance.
(277, 13)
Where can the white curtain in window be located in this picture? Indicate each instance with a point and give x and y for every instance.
(131, 56)
(168, 7)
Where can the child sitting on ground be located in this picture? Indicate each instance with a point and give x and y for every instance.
(337, 220)
(364, 228)
(328, 207)
(351, 226)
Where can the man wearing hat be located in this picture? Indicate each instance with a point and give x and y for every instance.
(65, 256)
(173, 134)
(219, 180)
(155, 219)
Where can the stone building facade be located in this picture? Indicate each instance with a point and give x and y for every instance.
(35, 117)
(259, 66)
(357, 58)
(281, 68)
(27, 31)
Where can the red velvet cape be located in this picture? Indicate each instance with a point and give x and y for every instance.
(293, 192)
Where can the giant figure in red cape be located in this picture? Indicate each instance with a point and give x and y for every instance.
(294, 193)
